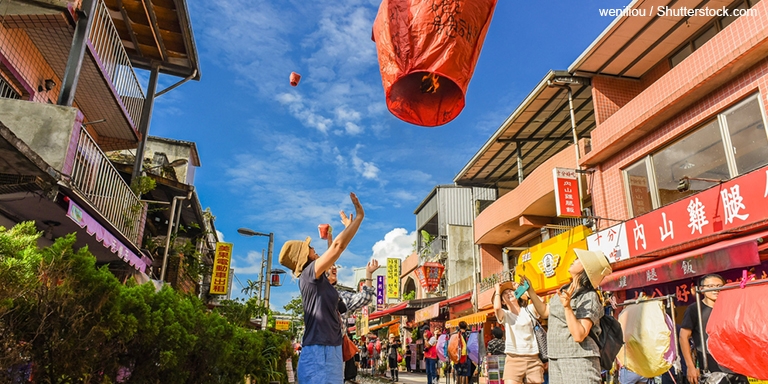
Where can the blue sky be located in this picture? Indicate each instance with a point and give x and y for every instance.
(281, 159)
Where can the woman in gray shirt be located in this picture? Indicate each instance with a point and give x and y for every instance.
(574, 357)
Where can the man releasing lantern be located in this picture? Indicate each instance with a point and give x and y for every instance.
(427, 53)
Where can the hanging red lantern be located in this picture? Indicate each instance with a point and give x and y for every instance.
(295, 78)
(427, 53)
(429, 275)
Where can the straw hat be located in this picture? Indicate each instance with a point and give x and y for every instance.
(595, 264)
(295, 254)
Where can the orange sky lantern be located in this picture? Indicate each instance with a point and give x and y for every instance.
(427, 54)
(295, 78)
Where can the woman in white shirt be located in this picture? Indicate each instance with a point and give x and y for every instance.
(522, 362)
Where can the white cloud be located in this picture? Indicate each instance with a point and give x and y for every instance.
(397, 243)
(366, 169)
(219, 235)
(352, 128)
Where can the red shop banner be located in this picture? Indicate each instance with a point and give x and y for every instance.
(725, 207)
(567, 197)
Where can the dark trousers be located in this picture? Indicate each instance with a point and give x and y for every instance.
(350, 369)
(407, 363)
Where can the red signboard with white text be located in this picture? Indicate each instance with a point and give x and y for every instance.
(730, 205)
(567, 192)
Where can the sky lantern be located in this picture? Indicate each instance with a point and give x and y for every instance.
(295, 78)
(427, 53)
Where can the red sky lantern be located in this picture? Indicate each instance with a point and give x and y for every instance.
(427, 54)
(295, 78)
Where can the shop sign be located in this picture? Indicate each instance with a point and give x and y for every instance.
(364, 322)
(427, 313)
(728, 206)
(612, 241)
(393, 278)
(546, 264)
(220, 278)
(379, 292)
(683, 289)
(282, 325)
(697, 264)
(567, 197)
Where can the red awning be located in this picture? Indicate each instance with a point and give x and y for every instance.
(456, 299)
(387, 311)
(728, 254)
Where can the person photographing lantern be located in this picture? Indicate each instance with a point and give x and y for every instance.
(522, 363)
(321, 358)
(574, 356)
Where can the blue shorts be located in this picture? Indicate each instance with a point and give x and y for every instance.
(320, 364)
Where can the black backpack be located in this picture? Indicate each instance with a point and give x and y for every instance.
(610, 341)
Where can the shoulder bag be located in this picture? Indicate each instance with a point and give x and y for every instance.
(541, 337)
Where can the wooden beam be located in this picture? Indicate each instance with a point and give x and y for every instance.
(127, 21)
(150, 12)
(534, 221)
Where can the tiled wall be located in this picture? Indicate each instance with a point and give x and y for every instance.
(608, 190)
(691, 88)
(491, 260)
(742, 44)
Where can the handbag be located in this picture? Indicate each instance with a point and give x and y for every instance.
(348, 348)
(541, 337)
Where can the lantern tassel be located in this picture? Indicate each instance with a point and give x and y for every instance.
(429, 83)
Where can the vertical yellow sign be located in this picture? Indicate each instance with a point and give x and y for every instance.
(220, 276)
(393, 278)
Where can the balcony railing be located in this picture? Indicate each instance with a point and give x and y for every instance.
(109, 48)
(97, 179)
(490, 281)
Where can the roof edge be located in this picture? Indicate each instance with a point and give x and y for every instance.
(512, 117)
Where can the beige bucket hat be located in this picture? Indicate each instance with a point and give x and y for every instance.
(295, 254)
(596, 265)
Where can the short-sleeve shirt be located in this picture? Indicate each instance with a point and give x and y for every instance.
(560, 343)
(520, 339)
(691, 322)
(321, 317)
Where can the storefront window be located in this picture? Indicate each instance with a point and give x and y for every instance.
(748, 135)
(655, 180)
(636, 178)
(698, 155)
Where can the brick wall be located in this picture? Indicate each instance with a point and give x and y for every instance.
(609, 94)
(491, 260)
(743, 44)
(608, 190)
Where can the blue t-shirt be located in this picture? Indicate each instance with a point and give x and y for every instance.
(322, 324)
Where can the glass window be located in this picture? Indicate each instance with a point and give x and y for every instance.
(726, 20)
(704, 37)
(681, 55)
(636, 177)
(700, 154)
(748, 135)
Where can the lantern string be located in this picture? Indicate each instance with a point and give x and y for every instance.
(429, 83)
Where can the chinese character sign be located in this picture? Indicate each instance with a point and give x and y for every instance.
(724, 207)
(612, 241)
(379, 291)
(393, 278)
(567, 197)
(220, 273)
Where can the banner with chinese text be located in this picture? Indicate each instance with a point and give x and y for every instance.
(379, 292)
(393, 278)
(567, 198)
(220, 278)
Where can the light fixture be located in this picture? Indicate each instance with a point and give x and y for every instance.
(687, 165)
(684, 184)
(47, 85)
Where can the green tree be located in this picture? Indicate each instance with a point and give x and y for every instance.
(78, 324)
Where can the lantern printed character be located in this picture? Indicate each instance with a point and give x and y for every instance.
(427, 53)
